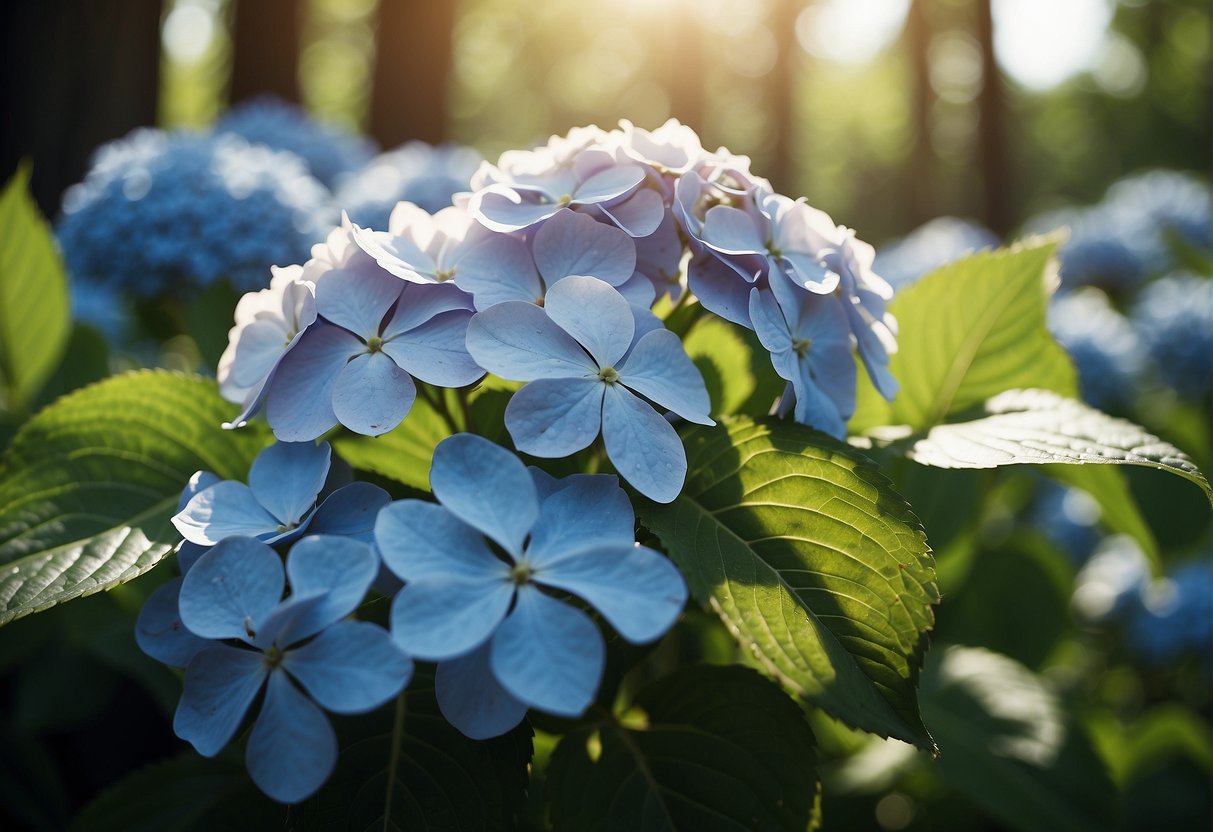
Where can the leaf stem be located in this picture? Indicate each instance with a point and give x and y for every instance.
(393, 760)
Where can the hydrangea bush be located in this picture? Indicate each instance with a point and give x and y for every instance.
(480, 470)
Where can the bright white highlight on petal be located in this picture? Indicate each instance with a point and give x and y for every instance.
(1040, 43)
(850, 31)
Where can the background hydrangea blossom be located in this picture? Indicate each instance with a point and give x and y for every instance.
(425, 175)
(503, 643)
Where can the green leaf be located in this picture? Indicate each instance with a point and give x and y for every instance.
(723, 357)
(34, 313)
(969, 331)
(89, 484)
(435, 779)
(715, 748)
(812, 561)
(403, 454)
(1037, 426)
(1010, 747)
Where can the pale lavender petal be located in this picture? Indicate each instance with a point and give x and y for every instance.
(814, 408)
(357, 301)
(809, 274)
(731, 231)
(292, 748)
(495, 269)
(608, 184)
(642, 445)
(583, 510)
(299, 403)
(423, 540)
(769, 322)
(555, 417)
(502, 209)
(231, 589)
(517, 341)
(659, 368)
(226, 509)
(350, 668)
(548, 655)
(287, 476)
(372, 395)
(485, 486)
(436, 352)
(397, 255)
(576, 244)
(159, 631)
(639, 215)
(441, 618)
(636, 589)
(420, 304)
(720, 289)
(261, 344)
(638, 290)
(220, 684)
(593, 313)
(471, 698)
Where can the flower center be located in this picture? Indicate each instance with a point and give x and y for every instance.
(564, 200)
(609, 375)
(443, 275)
(775, 250)
(801, 345)
(521, 573)
(273, 657)
(374, 343)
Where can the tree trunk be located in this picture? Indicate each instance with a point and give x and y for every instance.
(992, 129)
(73, 74)
(920, 172)
(265, 50)
(413, 54)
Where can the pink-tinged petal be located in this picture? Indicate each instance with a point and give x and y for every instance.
(372, 395)
(659, 368)
(548, 654)
(642, 445)
(292, 748)
(636, 589)
(517, 341)
(471, 698)
(357, 300)
(220, 685)
(299, 402)
(595, 315)
(436, 352)
(570, 243)
(555, 417)
(501, 208)
(639, 215)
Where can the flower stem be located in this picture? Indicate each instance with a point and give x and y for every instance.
(393, 761)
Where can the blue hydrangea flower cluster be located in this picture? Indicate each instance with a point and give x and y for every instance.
(1174, 316)
(202, 208)
(1104, 345)
(327, 150)
(1131, 235)
(426, 175)
(1174, 616)
(931, 245)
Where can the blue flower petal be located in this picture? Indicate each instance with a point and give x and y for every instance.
(436, 352)
(188, 554)
(608, 184)
(548, 655)
(636, 589)
(642, 445)
(582, 510)
(472, 699)
(350, 510)
(226, 509)
(518, 341)
(299, 401)
(638, 290)
(220, 684)
(372, 394)
(731, 231)
(639, 215)
(438, 618)
(357, 300)
(658, 367)
(555, 417)
(808, 273)
(397, 255)
(287, 476)
(420, 304)
(495, 268)
(292, 748)
(769, 323)
(502, 209)
(575, 244)
(339, 567)
(485, 486)
(597, 316)
(200, 481)
(231, 589)
(159, 631)
(720, 289)
(280, 627)
(814, 407)
(421, 540)
(350, 668)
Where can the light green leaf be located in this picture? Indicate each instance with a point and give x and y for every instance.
(34, 312)
(969, 331)
(812, 561)
(704, 748)
(89, 484)
(403, 454)
(1037, 426)
(1010, 747)
(723, 357)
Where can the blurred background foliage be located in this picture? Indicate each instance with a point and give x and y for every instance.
(885, 113)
